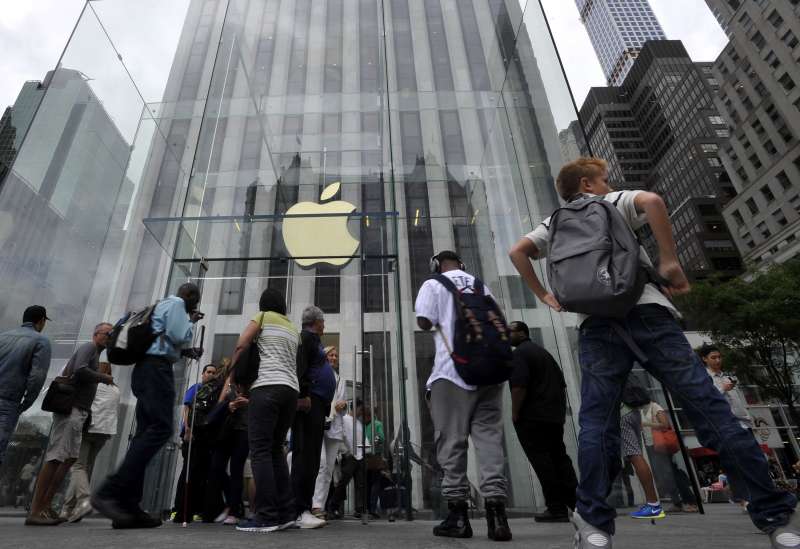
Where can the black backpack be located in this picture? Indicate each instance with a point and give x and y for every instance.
(481, 347)
(131, 337)
(208, 414)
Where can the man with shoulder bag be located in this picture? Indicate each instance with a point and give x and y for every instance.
(473, 353)
(66, 434)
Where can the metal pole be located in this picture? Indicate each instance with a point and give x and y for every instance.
(191, 437)
(684, 452)
(365, 494)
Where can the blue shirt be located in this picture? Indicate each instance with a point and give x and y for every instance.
(171, 321)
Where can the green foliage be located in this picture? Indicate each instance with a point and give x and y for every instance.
(757, 323)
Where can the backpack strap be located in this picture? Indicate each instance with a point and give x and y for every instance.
(619, 197)
(477, 287)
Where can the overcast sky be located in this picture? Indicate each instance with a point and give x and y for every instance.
(33, 34)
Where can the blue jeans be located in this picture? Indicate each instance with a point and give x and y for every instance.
(605, 363)
(9, 415)
(153, 386)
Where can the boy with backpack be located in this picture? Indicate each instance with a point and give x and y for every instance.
(598, 269)
(468, 327)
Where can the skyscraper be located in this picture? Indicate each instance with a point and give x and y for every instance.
(660, 131)
(759, 97)
(15, 122)
(618, 29)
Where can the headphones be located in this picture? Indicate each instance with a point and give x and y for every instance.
(435, 264)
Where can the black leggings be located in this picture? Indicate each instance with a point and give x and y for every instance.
(233, 447)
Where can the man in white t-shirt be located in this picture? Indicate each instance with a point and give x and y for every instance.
(460, 411)
(606, 359)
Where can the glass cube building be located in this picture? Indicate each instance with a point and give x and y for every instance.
(324, 148)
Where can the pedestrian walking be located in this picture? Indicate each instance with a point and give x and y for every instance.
(24, 361)
(539, 411)
(153, 385)
(647, 330)
(317, 387)
(461, 410)
(272, 404)
(66, 434)
(101, 427)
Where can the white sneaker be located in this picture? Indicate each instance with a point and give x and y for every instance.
(222, 516)
(83, 509)
(587, 536)
(307, 521)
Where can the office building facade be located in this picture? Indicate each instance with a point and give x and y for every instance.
(618, 29)
(328, 149)
(660, 131)
(759, 97)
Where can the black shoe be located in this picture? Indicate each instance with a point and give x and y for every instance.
(456, 525)
(497, 521)
(550, 516)
(140, 520)
(112, 508)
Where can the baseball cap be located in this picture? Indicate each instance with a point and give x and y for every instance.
(34, 314)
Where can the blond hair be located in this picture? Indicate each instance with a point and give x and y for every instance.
(568, 183)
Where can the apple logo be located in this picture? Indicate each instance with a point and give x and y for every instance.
(308, 239)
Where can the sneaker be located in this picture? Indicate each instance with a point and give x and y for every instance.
(41, 520)
(307, 521)
(456, 524)
(140, 520)
(83, 509)
(51, 514)
(786, 537)
(230, 520)
(111, 508)
(648, 511)
(255, 525)
(587, 536)
(222, 516)
(288, 525)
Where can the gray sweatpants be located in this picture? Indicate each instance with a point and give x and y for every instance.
(457, 415)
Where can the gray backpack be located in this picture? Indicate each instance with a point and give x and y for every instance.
(593, 259)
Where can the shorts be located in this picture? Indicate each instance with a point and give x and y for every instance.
(631, 434)
(66, 436)
(248, 469)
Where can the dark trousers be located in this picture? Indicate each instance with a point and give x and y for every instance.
(270, 414)
(351, 469)
(307, 432)
(231, 447)
(153, 386)
(543, 443)
(670, 480)
(605, 363)
(189, 499)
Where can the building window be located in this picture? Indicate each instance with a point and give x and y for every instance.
(787, 82)
(775, 19)
(779, 218)
(769, 146)
(751, 205)
(783, 179)
(709, 147)
(737, 216)
(790, 39)
(755, 161)
(766, 192)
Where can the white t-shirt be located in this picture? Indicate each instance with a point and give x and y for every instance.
(650, 415)
(651, 294)
(435, 302)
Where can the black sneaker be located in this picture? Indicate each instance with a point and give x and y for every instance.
(112, 508)
(140, 520)
(550, 516)
(497, 521)
(456, 525)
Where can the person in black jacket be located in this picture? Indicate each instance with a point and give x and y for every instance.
(317, 387)
(65, 436)
(539, 407)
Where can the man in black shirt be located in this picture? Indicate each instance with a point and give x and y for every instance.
(539, 407)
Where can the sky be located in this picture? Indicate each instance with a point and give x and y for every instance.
(33, 34)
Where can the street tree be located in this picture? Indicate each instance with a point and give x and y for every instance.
(756, 322)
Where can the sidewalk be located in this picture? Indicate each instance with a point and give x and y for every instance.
(723, 527)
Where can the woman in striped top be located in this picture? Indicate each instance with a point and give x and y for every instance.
(273, 401)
